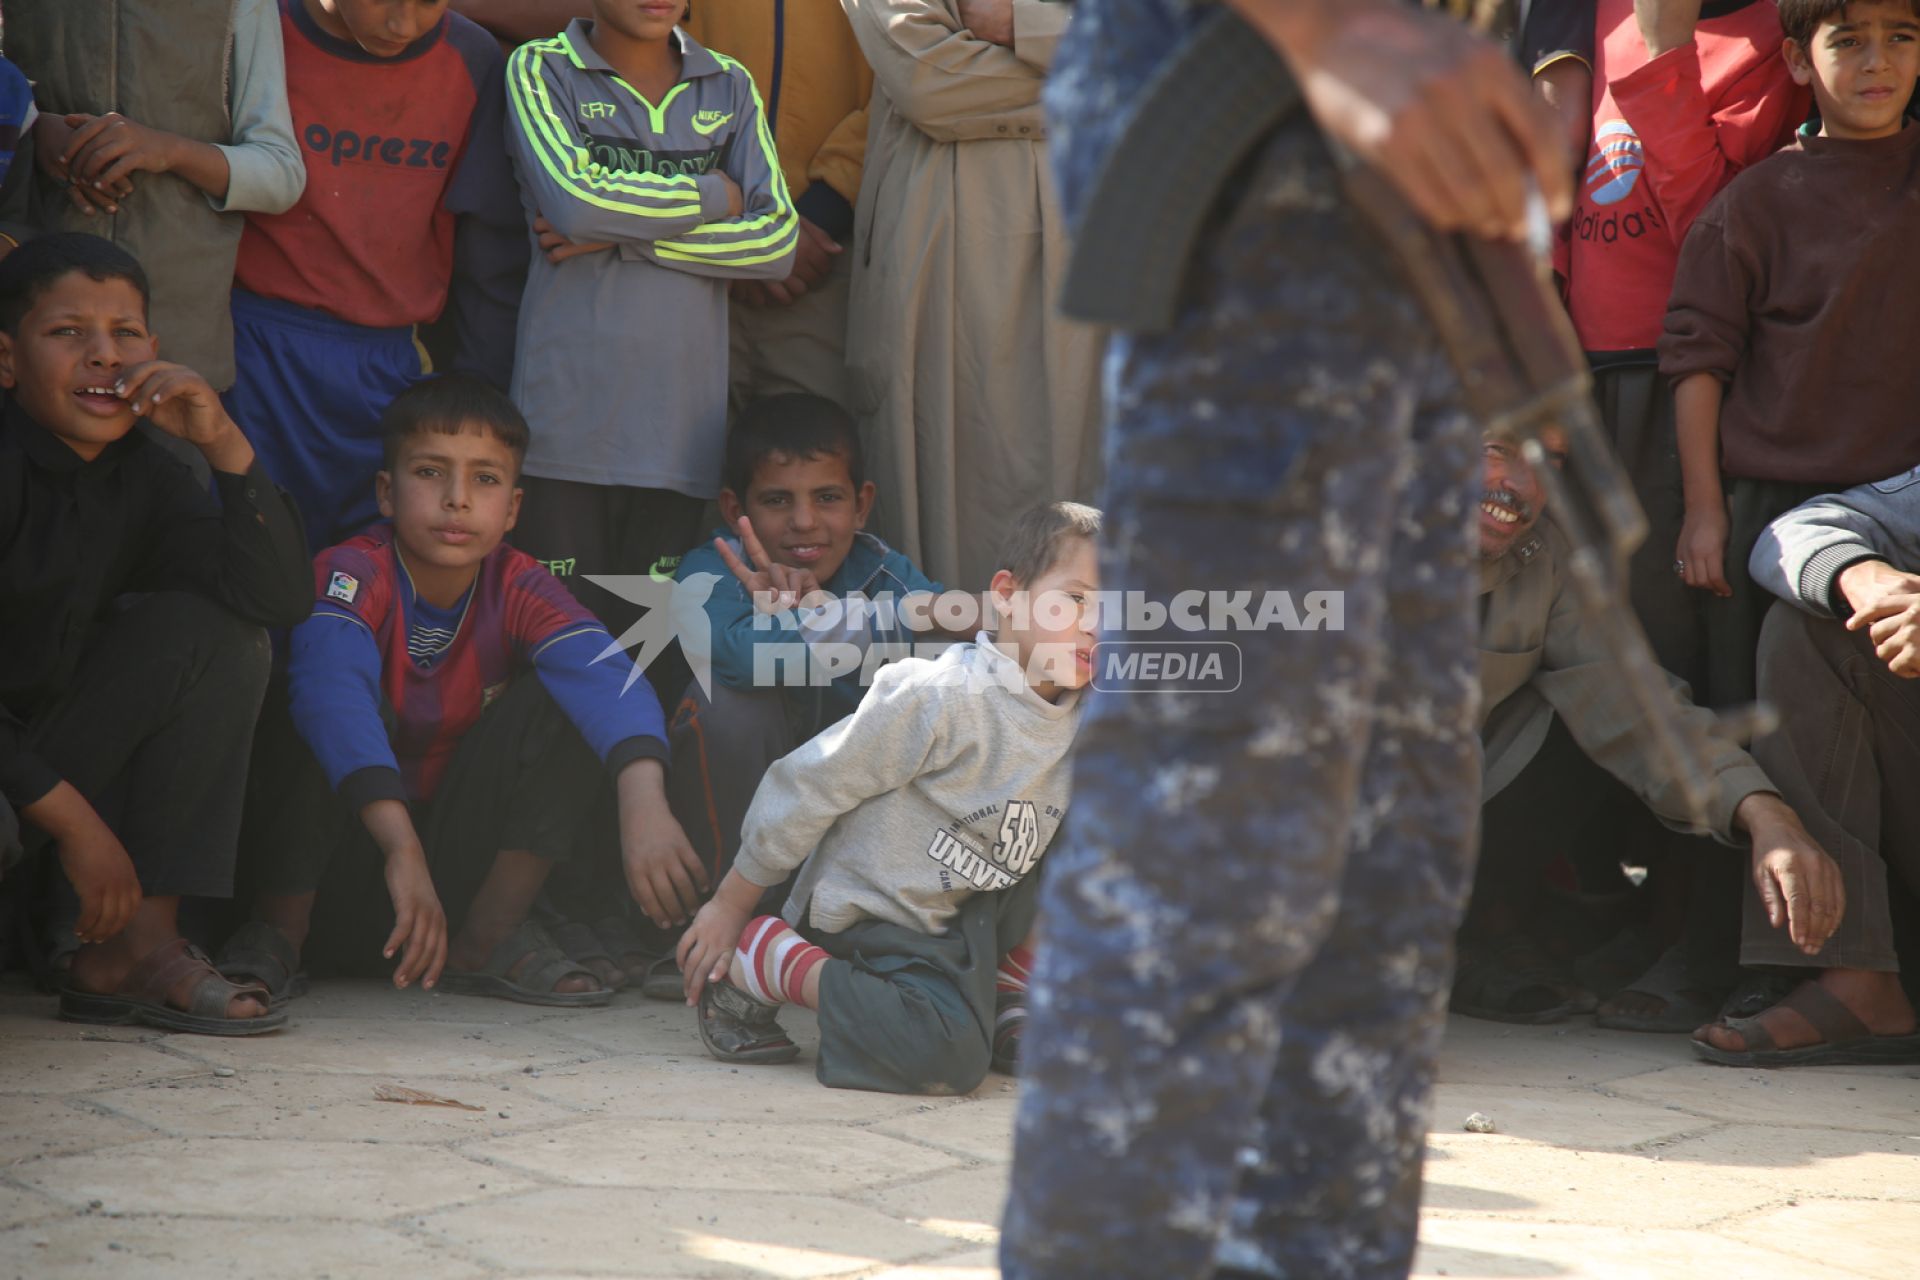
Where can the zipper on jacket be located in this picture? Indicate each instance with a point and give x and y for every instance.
(779, 57)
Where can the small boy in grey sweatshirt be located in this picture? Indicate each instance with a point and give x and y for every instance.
(918, 819)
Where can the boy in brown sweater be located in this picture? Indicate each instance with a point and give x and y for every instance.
(1785, 333)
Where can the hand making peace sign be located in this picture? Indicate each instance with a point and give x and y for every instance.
(775, 587)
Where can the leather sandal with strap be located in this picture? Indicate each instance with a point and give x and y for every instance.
(1845, 1040)
(737, 1028)
(526, 967)
(259, 953)
(141, 998)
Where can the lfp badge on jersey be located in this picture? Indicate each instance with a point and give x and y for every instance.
(343, 587)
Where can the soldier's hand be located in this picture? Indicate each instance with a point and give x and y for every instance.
(1442, 113)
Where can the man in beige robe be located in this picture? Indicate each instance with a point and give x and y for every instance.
(975, 398)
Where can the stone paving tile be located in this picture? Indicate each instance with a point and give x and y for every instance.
(272, 1104)
(977, 1264)
(1479, 1249)
(702, 1089)
(962, 1205)
(73, 1065)
(1860, 1236)
(687, 1235)
(1516, 1179)
(375, 999)
(37, 1125)
(1563, 1117)
(638, 1025)
(1809, 1162)
(719, 1156)
(84, 1248)
(1573, 1054)
(386, 1047)
(233, 1177)
(1888, 1102)
(983, 1128)
(18, 1205)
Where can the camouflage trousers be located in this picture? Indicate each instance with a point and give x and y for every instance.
(1247, 926)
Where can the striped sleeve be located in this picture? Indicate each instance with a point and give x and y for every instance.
(585, 200)
(759, 244)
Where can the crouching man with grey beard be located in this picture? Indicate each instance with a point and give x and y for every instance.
(1565, 748)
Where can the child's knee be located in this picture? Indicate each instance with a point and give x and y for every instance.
(210, 637)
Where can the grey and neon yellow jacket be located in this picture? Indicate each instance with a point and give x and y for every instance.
(621, 364)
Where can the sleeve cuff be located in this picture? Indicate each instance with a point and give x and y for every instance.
(627, 750)
(375, 782)
(1559, 56)
(1819, 584)
(25, 779)
(826, 209)
(1732, 787)
(713, 197)
(753, 872)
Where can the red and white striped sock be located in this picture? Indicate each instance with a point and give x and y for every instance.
(773, 961)
(1015, 968)
(1010, 1006)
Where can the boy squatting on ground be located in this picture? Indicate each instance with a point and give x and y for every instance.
(797, 498)
(409, 209)
(919, 820)
(430, 623)
(649, 178)
(124, 731)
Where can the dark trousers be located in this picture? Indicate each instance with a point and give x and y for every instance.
(579, 530)
(722, 744)
(1561, 802)
(521, 779)
(154, 731)
(906, 1012)
(1845, 757)
(1247, 927)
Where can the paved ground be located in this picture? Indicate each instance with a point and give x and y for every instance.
(608, 1144)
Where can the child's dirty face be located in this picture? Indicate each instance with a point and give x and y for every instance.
(805, 511)
(641, 19)
(384, 28)
(1862, 64)
(451, 497)
(1050, 624)
(69, 351)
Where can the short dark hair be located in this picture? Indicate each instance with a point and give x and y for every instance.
(1039, 537)
(29, 270)
(800, 426)
(448, 405)
(1801, 18)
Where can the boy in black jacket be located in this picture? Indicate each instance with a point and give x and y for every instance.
(124, 728)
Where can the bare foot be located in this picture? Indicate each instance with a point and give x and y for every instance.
(1875, 998)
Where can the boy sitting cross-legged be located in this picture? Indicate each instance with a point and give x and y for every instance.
(919, 819)
(409, 685)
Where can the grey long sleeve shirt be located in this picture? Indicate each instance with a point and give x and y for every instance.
(1800, 556)
(621, 363)
(949, 780)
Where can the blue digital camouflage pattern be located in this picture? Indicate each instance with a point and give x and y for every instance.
(1247, 929)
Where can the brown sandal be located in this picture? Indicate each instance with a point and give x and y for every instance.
(142, 997)
(1845, 1040)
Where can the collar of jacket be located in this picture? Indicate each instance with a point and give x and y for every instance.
(694, 58)
(50, 453)
(1511, 564)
